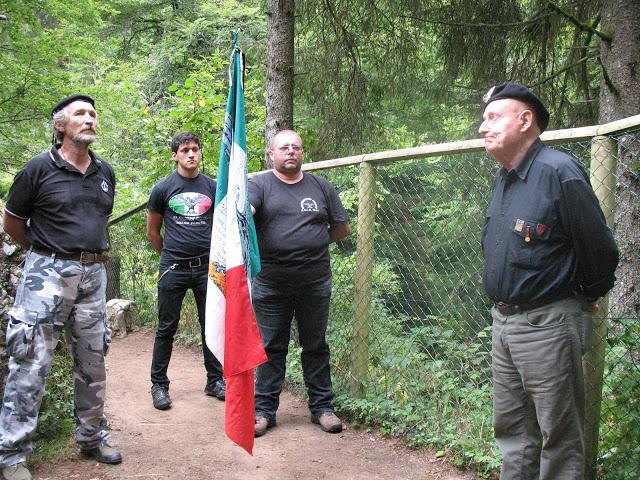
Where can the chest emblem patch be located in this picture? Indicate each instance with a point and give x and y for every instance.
(190, 204)
(308, 205)
(105, 186)
(519, 225)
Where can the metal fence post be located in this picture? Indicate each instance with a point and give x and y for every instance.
(363, 278)
(603, 180)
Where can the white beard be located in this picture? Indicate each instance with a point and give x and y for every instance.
(84, 138)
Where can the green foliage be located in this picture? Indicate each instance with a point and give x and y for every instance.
(620, 430)
(423, 66)
(44, 44)
(56, 419)
(138, 267)
(5, 184)
(198, 104)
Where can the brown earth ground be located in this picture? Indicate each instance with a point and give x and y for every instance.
(188, 441)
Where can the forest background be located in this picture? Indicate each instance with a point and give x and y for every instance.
(364, 76)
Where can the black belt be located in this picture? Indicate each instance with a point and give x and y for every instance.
(507, 309)
(193, 263)
(82, 257)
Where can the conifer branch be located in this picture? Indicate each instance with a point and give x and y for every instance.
(478, 25)
(562, 70)
(607, 78)
(581, 25)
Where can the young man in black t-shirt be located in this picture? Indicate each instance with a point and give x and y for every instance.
(183, 202)
(297, 215)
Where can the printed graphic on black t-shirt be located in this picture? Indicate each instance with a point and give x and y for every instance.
(186, 206)
(191, 206)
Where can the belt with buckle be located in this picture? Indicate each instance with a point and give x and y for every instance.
(194, 262)
(508, 309)
(82, 257)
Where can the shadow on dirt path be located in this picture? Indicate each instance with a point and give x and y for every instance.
(188, 441)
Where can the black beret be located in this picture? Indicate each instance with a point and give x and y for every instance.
(522, 93)
(70, 99)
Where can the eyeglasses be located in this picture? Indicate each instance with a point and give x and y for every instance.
(295, 148)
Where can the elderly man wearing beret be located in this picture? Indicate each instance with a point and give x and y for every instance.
(57, 210)
(549, 256)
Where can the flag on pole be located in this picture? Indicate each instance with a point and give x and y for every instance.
(231, 331)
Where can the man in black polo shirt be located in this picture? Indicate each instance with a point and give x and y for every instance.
(183, 202)
(297, 215)
(57, 210)
(549, 256)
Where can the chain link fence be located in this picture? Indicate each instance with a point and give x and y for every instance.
(132, 273)
(410, 328)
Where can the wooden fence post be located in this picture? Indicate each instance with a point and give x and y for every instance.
(363, 279)
(603, 180)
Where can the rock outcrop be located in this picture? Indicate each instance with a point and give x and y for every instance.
(11, 258)
(122, 315)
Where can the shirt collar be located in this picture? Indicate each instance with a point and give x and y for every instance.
(62, 163)
(523, 167)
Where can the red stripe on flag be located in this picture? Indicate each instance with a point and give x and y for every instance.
(243, 351)
(239, 410)
(243, 348)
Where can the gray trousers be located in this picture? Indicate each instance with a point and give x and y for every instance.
(54, 295)
(538, 390)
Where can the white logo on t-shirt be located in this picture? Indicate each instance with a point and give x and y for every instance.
(308, 205)
(105, 186)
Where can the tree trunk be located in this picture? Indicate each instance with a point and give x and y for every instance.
(280, 31)
(619, 98)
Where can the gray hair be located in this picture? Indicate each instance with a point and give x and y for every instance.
(59, 117)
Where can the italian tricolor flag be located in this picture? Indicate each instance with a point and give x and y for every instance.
(231, 331)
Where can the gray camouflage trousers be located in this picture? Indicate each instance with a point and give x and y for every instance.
(54, 295)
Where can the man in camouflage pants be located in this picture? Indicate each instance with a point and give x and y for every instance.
(57, 210)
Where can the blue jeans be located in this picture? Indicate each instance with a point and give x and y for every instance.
(172, 287)
(277, 298)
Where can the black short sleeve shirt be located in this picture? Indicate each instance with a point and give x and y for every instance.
(292, 220)
(186, 205)
(67, 210)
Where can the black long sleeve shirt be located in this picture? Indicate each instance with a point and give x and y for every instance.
(545, 237)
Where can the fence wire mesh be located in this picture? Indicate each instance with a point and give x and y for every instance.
(410, 328)
(132, 273)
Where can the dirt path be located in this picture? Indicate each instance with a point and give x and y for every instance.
(188, 441)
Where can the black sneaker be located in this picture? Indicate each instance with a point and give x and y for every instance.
(216, 389)
(160, 396)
